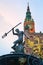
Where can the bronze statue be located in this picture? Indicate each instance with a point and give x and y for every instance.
(19, 41)
(20, 47)
(19, 34)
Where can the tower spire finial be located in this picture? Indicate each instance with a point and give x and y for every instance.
(28, 9)
(28, 3)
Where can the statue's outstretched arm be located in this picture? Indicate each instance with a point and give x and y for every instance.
(13, 32)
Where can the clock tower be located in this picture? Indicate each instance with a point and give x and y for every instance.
(29, 22)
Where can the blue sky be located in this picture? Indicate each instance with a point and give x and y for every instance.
(14, 11)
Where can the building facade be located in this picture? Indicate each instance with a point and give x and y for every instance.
(34, 42)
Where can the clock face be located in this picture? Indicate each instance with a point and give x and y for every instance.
(30, 26)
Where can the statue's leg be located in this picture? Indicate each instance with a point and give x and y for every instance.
(16, 42)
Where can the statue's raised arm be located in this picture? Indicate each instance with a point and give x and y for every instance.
(14, 32)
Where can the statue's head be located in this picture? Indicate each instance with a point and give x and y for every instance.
(17, 30)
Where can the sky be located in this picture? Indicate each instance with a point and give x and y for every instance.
(13, 12)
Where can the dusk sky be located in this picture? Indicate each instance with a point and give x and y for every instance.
(13, 12)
